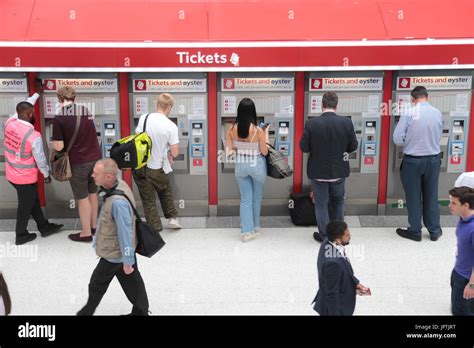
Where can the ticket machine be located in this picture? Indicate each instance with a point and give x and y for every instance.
(13, 89)
(190, 169)
(360, 98)
(100, 95)
(273, 95)
(450, 92)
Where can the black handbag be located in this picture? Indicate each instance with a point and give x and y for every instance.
(302, 210)
(149, 241)
(277, 164)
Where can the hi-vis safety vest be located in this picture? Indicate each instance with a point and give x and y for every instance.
(133, 151)
(20, 164)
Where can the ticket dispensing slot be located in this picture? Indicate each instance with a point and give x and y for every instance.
(444, 153)
(398, 155)
(181, 161)
(227, 164)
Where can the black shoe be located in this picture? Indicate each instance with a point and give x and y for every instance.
(409, 235)
(317, 237)
(76, 237)
(51, 229)
(435, 237)
(136, 313)
(85, 312)
(25, 239)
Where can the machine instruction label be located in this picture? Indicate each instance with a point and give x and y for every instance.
(434, 82)
(346, 84)
(13, 85)
(170, 85)
(82, 85)
(258, 84)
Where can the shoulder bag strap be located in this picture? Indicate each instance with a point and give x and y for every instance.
(146, 119)
(74, 135)
(120, 193)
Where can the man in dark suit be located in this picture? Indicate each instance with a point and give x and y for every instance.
(337, 284)
(329, 139)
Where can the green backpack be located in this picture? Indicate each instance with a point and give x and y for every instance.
(134, 151)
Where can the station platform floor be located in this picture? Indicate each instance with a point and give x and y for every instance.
(206, 270)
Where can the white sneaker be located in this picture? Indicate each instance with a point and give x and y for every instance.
(247, 237)
(173, 223)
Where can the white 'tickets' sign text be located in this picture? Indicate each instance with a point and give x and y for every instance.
(185, 57)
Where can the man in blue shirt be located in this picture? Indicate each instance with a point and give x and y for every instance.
(419, 131)
(462, 278)
(115, 243)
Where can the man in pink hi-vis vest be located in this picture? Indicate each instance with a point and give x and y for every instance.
(24, 157)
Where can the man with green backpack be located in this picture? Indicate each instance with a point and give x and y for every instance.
(163, 134)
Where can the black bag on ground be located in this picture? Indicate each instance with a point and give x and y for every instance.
(149, 241)
(302, 213)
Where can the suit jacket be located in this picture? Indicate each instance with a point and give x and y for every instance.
(328, 138)
(337, 283)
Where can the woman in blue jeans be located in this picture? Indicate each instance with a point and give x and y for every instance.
(249, 143)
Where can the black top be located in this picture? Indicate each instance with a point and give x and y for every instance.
(86, 148)
(329, 139)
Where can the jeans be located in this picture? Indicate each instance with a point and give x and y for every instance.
(459, 305)
(419, 177)
(250, 174)
(329, 202)
(28, 204)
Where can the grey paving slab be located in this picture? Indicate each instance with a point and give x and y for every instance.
(9, 224)
(219, 222)
(276, 221)
(371, 221)
(234, 222)
(352, 221)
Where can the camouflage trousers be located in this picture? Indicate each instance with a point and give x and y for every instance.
(148, 182)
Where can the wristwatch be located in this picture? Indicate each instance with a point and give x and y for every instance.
(471, 285)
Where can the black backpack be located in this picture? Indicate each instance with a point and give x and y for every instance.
(302, 212)
(149, 241)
